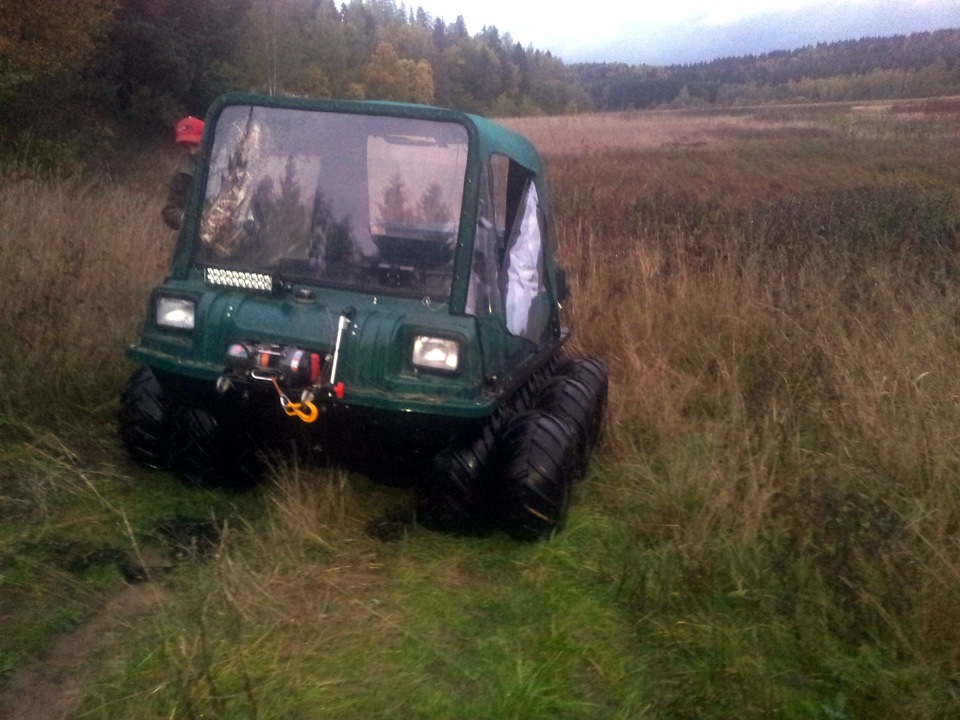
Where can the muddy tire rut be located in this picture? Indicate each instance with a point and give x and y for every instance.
(53, 687)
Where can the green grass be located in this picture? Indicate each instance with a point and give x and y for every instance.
(429, 626)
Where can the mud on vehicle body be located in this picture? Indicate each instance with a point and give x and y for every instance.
(373, 281)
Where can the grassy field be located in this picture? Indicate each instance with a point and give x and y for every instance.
(770, 528)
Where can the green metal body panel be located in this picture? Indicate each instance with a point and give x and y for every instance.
(374, 362)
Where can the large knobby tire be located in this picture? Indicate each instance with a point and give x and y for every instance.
(573, 402)
(593, 374)
(143, 421)
(454, 494)
(208, 453)
(536, 475)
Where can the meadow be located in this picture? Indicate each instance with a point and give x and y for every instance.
(769, 528)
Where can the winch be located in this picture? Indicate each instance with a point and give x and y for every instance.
(292, 366)
(283, 366)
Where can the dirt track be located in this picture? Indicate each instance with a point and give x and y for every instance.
(54, 687)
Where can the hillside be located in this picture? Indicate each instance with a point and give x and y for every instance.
(904, 66)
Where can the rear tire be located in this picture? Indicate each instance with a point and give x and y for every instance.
(539, 457)
(143, 421)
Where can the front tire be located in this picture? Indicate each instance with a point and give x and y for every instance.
(454, 493)
(143, 421)
(537, 472)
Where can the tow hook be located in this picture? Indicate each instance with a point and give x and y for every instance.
(308, 415)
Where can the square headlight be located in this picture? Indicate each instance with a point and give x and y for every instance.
(433, 353)
(175, 312)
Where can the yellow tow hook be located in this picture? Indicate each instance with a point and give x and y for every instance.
(296, 409)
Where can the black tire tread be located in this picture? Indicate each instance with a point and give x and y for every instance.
(594, 375)
(143, 421)
(573, 402)
(536, 475)
(209, 454)
(454, 494)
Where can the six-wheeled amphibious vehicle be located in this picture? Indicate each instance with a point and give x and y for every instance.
(373, 282)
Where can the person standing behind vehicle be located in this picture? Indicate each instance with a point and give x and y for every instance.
(188, 131)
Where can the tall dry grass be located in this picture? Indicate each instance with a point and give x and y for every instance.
(770, 527)
(782, 334)
(78, 257)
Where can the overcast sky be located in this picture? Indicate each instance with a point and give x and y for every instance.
(666, 32)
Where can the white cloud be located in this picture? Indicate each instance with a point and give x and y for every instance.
(679, 30)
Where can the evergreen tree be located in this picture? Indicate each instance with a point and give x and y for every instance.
(394, 208)
(431, 208)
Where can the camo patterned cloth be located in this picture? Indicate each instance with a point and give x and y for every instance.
(223, 227)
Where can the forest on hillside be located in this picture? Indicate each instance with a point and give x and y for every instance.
(902, 66)
(68, 70)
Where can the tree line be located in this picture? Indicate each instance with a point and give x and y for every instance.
(918, 65)
(152, 60)
(149, 61)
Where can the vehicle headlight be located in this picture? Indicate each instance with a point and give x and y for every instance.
(433, 353)
(174, 312)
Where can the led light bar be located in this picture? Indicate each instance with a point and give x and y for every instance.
(239, 279)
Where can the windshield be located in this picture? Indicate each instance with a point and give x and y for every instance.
(356, 201)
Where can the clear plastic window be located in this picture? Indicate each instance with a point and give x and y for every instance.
(483, 295)
(356, 201)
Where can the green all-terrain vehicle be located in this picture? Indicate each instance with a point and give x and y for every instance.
(370, 282)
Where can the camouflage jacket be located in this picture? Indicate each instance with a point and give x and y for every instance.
(172, 212)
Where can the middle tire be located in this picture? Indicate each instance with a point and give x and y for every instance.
(573, 402)
(208, 453)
